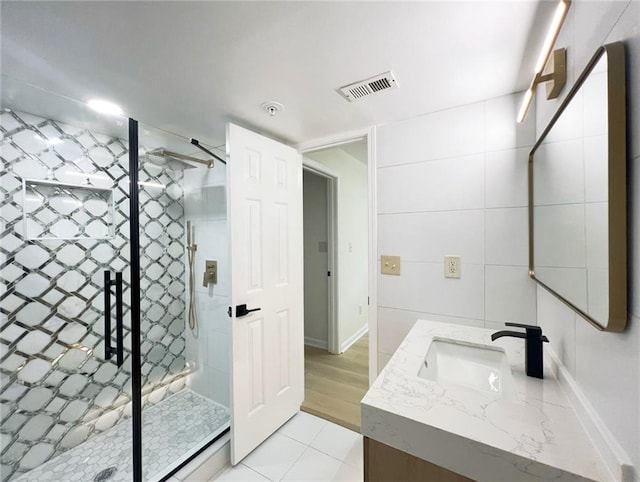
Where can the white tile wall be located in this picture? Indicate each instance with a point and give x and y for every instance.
(559, 324)
(605, 366)
(454, 182)
(429, 236)
(609, 379)
(507, 236)
(422, 287)
(506, 178)
(592, 23)
(448, 133)
(510, 294)
(211, 238)
(394, 323)
(500, 130)
(439, 185)
(205, 207)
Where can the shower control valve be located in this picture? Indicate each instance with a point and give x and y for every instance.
(210, 273)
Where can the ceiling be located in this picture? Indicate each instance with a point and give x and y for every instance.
(190, 67)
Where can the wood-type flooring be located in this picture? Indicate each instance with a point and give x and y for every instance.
(335, 384)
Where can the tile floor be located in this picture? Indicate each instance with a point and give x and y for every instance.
(167, 435)
(305, 448)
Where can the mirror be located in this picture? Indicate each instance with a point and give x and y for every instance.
(577, 196)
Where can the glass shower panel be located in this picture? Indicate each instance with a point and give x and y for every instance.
(64, 266)
(180, 413)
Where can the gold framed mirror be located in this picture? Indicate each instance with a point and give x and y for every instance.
(577, 196)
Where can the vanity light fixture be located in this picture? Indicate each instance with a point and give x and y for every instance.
(556, 74)
(105, 107)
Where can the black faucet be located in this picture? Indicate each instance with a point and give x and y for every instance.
(532, 349)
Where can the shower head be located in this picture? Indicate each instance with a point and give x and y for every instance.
(173, 160)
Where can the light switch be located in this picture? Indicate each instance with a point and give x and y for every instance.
(452, 266)
(390, 265)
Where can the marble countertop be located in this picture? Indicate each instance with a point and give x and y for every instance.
(536, 436)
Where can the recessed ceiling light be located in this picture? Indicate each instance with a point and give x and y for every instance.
(105, 107)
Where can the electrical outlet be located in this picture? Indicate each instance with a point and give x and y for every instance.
(390, 265)
(452, 266)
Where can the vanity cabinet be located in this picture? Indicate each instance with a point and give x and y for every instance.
(527, 433)
(387, 464)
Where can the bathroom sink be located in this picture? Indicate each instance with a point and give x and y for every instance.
(478, 367)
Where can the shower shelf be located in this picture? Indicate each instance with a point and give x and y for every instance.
(59, 211)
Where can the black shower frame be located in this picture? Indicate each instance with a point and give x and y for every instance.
(134, 245)
(136, 373)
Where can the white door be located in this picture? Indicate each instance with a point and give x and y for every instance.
(265, 221)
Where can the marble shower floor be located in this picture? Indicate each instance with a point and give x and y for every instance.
(171, 429)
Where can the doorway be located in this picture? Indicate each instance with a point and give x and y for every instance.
(319, 249)
(335, 200)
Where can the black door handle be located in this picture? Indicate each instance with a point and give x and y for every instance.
(109, 350)
(241, 310)
(119, 323)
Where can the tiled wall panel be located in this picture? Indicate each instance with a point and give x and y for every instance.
(454, 182)
(605, 366)
(56, 388)
(209, 345)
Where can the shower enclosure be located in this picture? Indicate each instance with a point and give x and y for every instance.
(102, 375)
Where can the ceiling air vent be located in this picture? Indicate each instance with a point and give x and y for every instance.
(368, 87)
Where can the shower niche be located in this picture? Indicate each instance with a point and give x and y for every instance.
(54, 210)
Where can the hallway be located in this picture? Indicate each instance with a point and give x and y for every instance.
(335, 384)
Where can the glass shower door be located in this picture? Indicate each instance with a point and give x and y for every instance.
(65, 320)
(180, 411)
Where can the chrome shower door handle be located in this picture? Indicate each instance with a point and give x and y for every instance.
(109, 350)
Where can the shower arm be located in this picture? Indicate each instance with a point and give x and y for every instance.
(196, 143)
(165, 153)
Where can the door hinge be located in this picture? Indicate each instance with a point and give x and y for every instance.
(328, 273)
(368, 301)
(229, 311)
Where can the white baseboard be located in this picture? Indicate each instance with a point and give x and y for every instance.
(614, 456)
(322, 344)
(353, 338)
